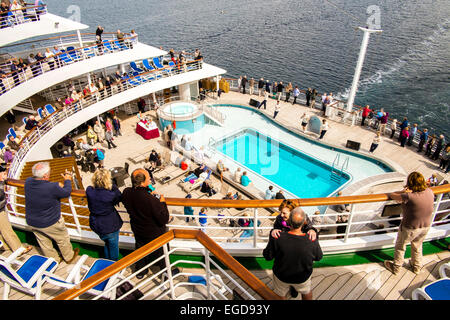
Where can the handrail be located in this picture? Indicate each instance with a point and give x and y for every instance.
(38, 10)
(121, 82)
(224, 257)
(307, 202)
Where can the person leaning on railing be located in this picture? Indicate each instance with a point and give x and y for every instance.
(281, 221)
(294, 256)
(148, 217)
(418, 203)
(43, 212)
(104, 220)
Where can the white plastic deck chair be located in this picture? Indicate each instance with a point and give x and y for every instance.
(75, 277)
(29, 276)
(436, 290)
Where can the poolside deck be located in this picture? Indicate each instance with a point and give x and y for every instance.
(359, 282)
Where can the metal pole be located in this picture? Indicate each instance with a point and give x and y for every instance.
(359, 64)
(208, 273)
(436, 209)
(349, 223)
(169, 271)
(255, 227)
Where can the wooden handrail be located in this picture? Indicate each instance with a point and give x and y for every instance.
(89, 94)
(217, 203)
(245, 275)
(28, 7)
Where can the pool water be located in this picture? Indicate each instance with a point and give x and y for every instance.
(290, 169)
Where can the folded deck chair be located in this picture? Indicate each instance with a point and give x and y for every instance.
(89, 52)
(40, 113)
(12, 132)
(49, 108)
(157, 63)
(107, 46)
(134, 66)
(147, 65)
(73, 53)
(81, 272)
(436, 290)
(120, 45)
(27, 276)
(65, 58)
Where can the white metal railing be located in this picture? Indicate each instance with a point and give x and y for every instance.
(23, 15)
(218, 284)
(359, 222)
(68, 57)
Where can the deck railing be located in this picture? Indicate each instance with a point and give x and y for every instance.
(359, 222)
(215, 286)
(337, 111)
(60, 60)
(27, 14)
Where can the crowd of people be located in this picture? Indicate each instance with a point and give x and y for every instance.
(18, 11)
(434, 146)
(16, 68)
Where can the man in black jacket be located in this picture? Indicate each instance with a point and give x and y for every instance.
(148, 217)
(294, 256)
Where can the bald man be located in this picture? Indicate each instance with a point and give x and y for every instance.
(148, 216)
(294, 255)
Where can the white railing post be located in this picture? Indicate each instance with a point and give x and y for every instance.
(349, 222)
(208, 273)
(255, 227)
(436, 208)
(169, 271)
(75, 216)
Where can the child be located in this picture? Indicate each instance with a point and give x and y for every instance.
(203, 221)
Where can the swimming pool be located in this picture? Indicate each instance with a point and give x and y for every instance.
(290, 169)
(180, 109)
(185, 117)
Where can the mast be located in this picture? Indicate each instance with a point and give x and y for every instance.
(359, 64)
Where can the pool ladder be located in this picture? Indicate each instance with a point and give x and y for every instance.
(336, 174)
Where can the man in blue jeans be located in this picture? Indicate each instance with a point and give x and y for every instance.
(43, 212)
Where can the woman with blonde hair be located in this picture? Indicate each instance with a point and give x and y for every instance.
(104, 219)
(282, 221)
(418, 203)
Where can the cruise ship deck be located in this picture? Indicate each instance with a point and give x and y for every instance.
(349, 282)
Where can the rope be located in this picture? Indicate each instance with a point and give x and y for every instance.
(346, 12)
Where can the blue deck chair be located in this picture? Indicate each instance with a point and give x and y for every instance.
(134, 66)
(40, 113)
(120, 45)
(89, 52)
(75, 276)
(29, 276)
(73, 53)
(2, 146)
(24, 120)
(157, 63)
(12, 132)
(147, 65)
(7, 136)
(139, 78)
(65, 58)
(49, 108)
(436, 290)
(107, 46)
(133, 81)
